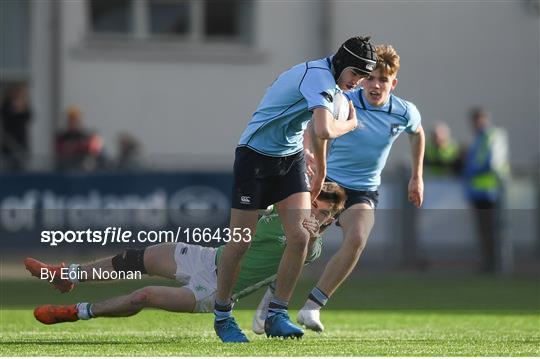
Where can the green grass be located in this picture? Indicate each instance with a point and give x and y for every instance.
(373, 333)
(403, 316)
(423, 292)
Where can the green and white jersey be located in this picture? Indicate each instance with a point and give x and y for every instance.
(261, 262)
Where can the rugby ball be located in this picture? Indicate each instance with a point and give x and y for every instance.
(341, 107)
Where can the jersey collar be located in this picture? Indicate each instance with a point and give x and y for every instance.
(366, 106)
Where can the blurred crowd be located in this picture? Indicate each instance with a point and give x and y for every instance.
(76, 147)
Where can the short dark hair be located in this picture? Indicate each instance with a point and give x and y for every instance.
(477, 112)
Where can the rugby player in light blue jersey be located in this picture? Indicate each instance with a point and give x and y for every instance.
(355, 162)
(269, 168)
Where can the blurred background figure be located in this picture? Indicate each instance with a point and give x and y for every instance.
(16, 116)
(76, 147)
(486, 171)
(442, 155)
(129, 149)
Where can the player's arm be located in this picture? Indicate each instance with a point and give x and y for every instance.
(326, 127)
(316, 87)
(416, 184)
(308, 152)
(318, 148)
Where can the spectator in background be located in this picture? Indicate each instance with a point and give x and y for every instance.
(442, 152)
(128, 152)
(77, 148)
(16, 115)
(486, 170)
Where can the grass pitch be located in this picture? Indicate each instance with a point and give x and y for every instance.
(390, 317)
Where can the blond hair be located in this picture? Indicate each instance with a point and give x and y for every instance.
(387, 59)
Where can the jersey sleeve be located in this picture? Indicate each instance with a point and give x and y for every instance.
(318, 88)
(265, 212)
(315, 250)
(414, 118)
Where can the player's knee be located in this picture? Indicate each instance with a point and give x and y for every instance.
(298, 239)
(299, 234)
(141, 297)
(356, 242)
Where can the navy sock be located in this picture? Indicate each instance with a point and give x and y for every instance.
(277, 306)
(222, 311)
(318, 297)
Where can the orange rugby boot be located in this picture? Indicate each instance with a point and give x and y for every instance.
(34, 267)
(52, 314)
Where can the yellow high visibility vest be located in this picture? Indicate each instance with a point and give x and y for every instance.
(489, 181)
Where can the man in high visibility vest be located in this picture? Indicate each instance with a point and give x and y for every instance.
(485, 172)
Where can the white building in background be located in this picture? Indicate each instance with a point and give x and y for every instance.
(184, 76)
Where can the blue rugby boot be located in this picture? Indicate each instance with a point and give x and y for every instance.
(229, 332)
(280, 325)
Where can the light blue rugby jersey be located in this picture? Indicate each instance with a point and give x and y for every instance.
(356, 159)
(277, 126)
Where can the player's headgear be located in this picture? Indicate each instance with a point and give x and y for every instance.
(358, 53)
